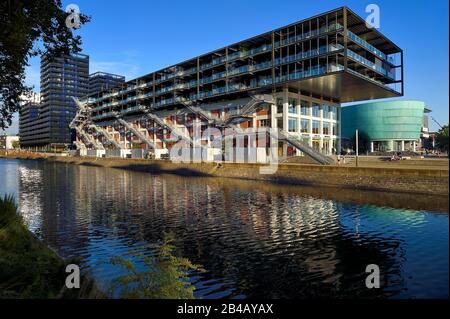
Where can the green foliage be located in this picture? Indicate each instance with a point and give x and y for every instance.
(27, 29)
(442, 138)
(28, 268)
(165, 277)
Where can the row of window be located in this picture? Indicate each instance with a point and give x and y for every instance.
(306, 109)
(304, 126)
(315, 129)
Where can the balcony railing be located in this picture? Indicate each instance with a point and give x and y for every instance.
(369, 47)
(138, 108)
(309, 54)
(388, 73)
(313, 71)
(310, 34)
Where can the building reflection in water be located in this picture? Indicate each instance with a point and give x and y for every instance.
(252, 243)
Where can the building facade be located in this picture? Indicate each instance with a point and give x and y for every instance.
(102, 81)
(62, 79)
(390, 126)
(306, 69)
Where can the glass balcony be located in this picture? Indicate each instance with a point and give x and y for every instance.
(242, 69)
(237, 87)
(263, 65)
(188, 71)
(192, 84)
(309, 54)
(164, 90)
(314, 71)
(388, 73)
(310, 34)
(366, 45)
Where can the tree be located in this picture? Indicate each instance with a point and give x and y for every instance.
(363, 142)
(442, 138)
(28, 29)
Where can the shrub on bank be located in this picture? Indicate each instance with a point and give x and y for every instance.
(28, 268)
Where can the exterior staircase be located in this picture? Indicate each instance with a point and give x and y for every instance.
(108, 137)
(305, 148)
(135, 131)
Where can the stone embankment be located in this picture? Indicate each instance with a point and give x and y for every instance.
(433, 181)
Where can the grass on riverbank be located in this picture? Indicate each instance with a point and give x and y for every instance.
(28, 268)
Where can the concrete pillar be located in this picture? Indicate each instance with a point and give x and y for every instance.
(339, 139)
(273, 119)
(403, 146)
(414, 146)
(321, 144)
(285, 110)
(371, 147)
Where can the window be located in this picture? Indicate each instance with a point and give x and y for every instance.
(325, 111)
(292, 106)
(315, 110)
(334, 112)
(264, 123)
(292, 125)
(305, 126)
(326, 128)
(279, 105)
(315, 127)
(304, 107)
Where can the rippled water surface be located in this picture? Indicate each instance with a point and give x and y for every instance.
(253, 242)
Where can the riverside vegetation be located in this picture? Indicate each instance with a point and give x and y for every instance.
(29, 269)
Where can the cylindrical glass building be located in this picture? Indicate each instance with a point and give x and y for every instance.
(390, 126)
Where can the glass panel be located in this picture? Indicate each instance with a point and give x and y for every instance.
(315, 110)
(315, 127)
(292, 105)
(326, 128)
(279, 105)
(325, 112)
(292, 125)
(304, 107)
(305, 126)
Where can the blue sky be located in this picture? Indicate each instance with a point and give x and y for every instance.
(143, 36)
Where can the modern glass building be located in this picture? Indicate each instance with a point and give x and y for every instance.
(102, 81)
(390, 126)
(62, 79)
(308, 68)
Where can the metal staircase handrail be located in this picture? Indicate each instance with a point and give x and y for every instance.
(138, 133)
(303, 147)
(89, 138)
(110, 139)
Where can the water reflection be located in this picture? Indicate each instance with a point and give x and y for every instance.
(252, 242)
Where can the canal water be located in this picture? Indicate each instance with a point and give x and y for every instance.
(268, 242)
